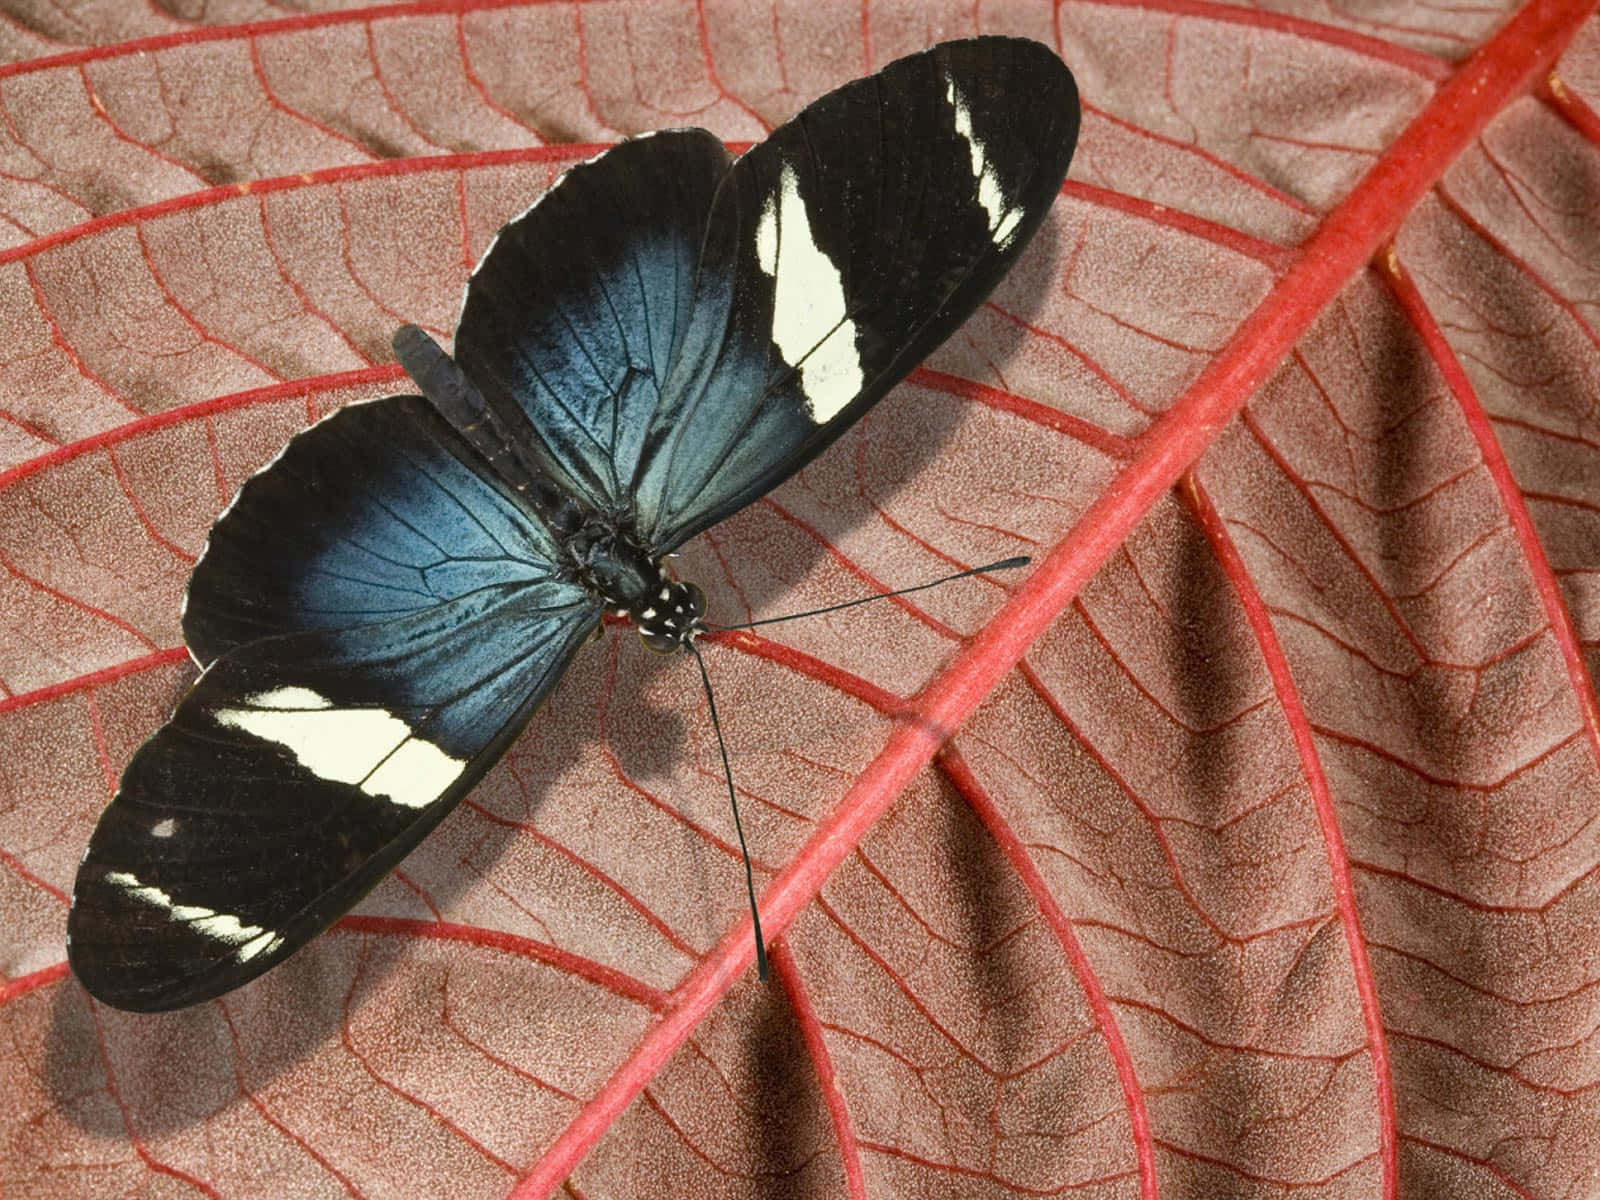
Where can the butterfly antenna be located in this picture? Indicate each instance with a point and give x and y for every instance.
(733, 799)
(1005, 564)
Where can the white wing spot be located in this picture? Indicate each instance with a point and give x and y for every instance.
(368, 747)
(809, 325)
(647, 614)
(1003, 219)
(263, 942)
(247, 940)
(164, 828)
(289, 698)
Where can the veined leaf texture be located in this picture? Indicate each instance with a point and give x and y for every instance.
(1246, 846)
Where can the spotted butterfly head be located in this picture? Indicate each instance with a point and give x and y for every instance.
(671, 616)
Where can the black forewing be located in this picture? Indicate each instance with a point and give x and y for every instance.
(294, 775)
(357, 688)
(839, 253)
(571, 319)
(670, 337)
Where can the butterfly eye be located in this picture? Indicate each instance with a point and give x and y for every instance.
(661, 641)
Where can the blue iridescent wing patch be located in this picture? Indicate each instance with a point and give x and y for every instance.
(379, 618)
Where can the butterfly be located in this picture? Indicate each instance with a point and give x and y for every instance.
(663, 337)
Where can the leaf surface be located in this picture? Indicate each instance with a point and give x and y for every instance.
(1246, 846)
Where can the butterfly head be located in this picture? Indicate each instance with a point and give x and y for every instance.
(671, 615)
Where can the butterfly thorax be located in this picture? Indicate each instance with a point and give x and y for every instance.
(635, 585)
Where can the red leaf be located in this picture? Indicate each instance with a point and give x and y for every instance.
(1247, 845)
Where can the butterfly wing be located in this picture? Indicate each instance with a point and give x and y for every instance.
(379, 512)
(380, 618)
(572, 318)
(672, 336)
(843, 250)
